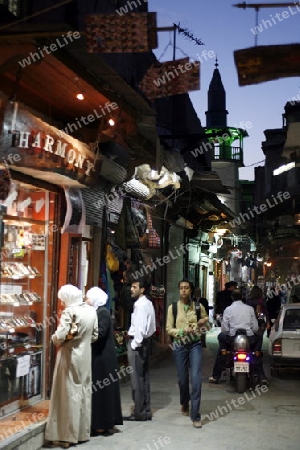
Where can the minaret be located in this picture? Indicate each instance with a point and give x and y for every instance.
(227, 154)
(216, 115)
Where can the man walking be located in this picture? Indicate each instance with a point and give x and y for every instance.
(185, 330)
(141, 329)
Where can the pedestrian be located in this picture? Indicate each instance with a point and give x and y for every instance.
(283, 294)
(273, 308)
(204, 302)
(106, 400)
(69, 419)
(185, 330)
(223, 299)
(142, 327)
(258, 303)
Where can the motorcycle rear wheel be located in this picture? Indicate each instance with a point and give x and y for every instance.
(240, 382)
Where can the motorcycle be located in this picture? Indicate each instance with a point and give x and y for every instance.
(242, 362)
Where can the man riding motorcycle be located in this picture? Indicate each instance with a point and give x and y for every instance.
(238, 316)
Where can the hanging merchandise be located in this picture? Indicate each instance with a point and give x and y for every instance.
(154, 239)
(112, 261)
(5, 183)
(140, 215)
(132, 236)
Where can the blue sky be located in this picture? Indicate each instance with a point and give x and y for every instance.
(224, 29)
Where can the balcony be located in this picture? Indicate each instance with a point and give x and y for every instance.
(228, 153)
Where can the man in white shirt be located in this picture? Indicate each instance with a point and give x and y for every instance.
(238, 316)
(141, 329)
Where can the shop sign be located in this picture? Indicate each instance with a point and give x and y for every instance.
(267, 62)
(131, 33)
(30, 143)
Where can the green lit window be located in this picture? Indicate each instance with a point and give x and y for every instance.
(13, 6)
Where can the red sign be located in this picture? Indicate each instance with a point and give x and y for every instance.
(171, 78)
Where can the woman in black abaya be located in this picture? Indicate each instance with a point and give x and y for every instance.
(106, 400)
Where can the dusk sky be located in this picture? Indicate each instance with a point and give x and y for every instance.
(224, 29)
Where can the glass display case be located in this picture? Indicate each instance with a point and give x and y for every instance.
(26, 256)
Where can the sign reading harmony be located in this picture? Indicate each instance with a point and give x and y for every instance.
(34, 145)
(56, 147)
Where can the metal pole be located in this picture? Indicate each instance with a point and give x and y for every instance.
(2, 212)
(245, 5)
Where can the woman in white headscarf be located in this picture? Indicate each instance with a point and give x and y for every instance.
(69, 417)
(106, 400)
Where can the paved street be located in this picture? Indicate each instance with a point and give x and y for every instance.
(269, 421)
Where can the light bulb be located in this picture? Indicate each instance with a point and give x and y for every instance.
(80, 96)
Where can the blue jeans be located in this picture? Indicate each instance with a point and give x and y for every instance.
(188, 359)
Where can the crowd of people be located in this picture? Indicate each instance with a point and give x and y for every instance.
(86, 356)
(80, 406)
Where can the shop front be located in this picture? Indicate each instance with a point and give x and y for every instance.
(43, 242)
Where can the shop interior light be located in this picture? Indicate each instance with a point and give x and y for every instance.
(112, 122)
(221, 231)
(79, 94)
(268, 263)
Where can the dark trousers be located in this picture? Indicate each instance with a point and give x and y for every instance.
(188, 363)
(138, 360)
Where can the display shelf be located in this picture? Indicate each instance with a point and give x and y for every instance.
(15, 220)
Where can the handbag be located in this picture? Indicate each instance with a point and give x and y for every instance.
(111, 260)
(153, 239)
(73, 331)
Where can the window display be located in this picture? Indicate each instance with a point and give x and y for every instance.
(26, 238)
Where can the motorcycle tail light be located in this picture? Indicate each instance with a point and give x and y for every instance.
(241, 356)
(277, 347)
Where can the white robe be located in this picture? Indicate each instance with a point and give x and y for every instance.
(70, 404)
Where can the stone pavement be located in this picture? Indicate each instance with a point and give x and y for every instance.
(269, 421)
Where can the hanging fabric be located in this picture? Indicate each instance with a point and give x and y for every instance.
(5, 182)
(154, 239)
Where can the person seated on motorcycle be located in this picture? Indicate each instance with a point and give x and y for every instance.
(238, 316)
(223, 300)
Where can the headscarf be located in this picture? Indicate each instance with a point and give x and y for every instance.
(70, 295)
(97, 297)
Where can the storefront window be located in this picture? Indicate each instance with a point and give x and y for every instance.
(26, 276)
